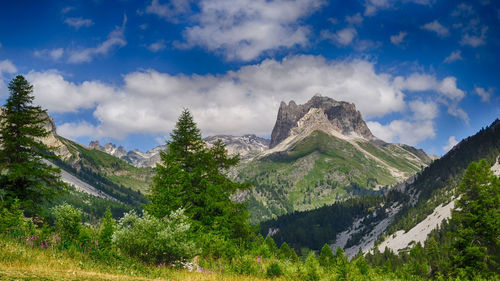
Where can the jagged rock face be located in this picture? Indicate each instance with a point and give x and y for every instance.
(342, 115)
(109, 148)
(244, 145)
(148, 159)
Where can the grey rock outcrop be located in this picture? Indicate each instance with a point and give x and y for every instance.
(109, 148)
(342, 115)
(245, 145)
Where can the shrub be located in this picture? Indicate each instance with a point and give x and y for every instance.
(155, 240)
(67, 221)
(274, 270)
(245, 265)
(11, 216)
(107, 229)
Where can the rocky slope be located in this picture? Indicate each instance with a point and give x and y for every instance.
(246, 146)
(322, 152)
(343, 117)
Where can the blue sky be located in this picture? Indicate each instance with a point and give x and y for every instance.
(422, 72)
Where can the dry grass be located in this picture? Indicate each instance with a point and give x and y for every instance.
(18, 262)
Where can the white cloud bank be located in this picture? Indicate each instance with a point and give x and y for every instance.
(237, 102)
(6, 66)
(242, 30)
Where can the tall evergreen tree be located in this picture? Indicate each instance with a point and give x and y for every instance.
(25, 173)
(194, 177)
(477, 217)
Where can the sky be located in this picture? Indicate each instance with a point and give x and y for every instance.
(421, 72)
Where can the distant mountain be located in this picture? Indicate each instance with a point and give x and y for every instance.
(247, 146)
(322, 152)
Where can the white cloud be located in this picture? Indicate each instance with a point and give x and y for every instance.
(56, 94)
(452, 141)
(243, 30)
(484, 94)
(116, 39)
(342, 37)
(454, 56)
(401, 131)
(373, 6)
(67, 9)
(398, 39)
(6, 66)
(170, 11)
(423, 110)
(157, 46)
(450, 94)
(463, 10)
(356, 19)
(54, 54)
(78, 22)
(240, 101)
(436, 27)
(474, 40)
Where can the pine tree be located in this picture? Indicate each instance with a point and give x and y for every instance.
(194, 177)
(477, 217)
(285, 251)
(107, 229)
(25, 172)
(326, 258)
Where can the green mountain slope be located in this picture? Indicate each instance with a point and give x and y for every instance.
(321, 169)
(402, 208)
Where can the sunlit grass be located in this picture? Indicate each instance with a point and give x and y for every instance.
(20, 262)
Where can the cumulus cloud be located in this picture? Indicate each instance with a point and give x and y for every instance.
(116, 39)
(343, 37)
(243, 30)
(56, 94)
(398, 39)
(54, 54)
(78, 22)
(170, 11)
(436, 27)
(401, 131)
(474, 40)
(483, 93)
(373, 6)
(454, 56)
(240, 101)
(6, 66)
(356, 19)
(452, 141)
(156, 46)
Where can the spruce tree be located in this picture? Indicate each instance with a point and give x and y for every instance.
(25, 172)
(194, 177)
(326, 257)
(477, 218)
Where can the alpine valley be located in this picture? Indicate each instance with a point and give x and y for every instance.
(323, 177)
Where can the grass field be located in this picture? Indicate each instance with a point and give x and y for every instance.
(20, 262)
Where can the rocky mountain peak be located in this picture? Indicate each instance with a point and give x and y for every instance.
(109, 148)
(343, 116)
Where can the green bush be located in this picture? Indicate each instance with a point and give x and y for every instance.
(107, 229)
(274, 270)
(68, 221)
(11, 216)
(155, 240)
(246, 265)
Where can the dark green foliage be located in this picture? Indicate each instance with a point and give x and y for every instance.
(285, 252)
(477, 241)
(24, 174)
(326, 258)
(107, 229)
(274, 270)
(271, 245)
(312, 229)
(194, 177)
(11, 215)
